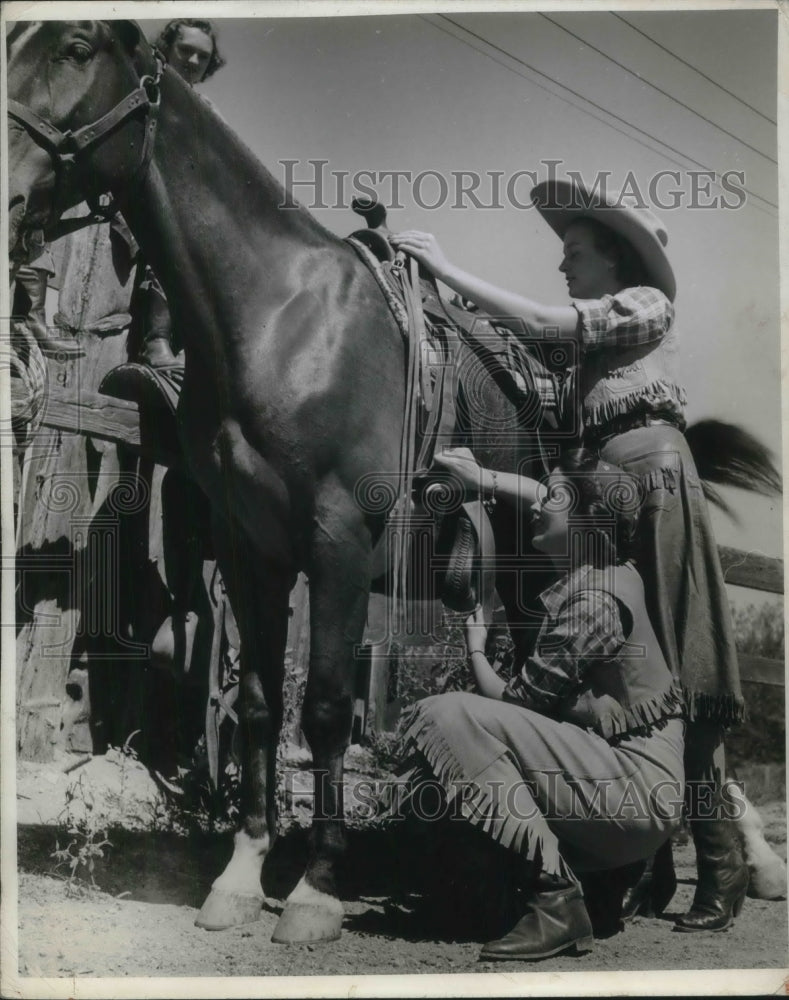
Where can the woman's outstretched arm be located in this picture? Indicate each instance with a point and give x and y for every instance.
(481, 482)
(514, 311)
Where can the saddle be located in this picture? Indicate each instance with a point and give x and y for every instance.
(460, 543)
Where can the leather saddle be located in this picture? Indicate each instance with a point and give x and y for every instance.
(450, 553)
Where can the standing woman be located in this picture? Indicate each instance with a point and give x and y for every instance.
(631, 401)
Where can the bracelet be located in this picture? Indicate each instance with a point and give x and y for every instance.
(490, 502)
(471, 652)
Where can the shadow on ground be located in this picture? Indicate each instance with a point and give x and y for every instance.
(401, 864)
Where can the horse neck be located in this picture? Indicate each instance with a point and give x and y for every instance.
(210, 222)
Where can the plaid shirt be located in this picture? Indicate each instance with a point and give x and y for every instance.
(580, 627)
(630, 318)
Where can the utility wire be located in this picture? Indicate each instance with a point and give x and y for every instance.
(584, 99)
(548, 90)
(660, 90)
(695, 69)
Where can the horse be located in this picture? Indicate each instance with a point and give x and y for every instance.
(294, 393)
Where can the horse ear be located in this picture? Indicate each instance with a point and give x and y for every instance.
(128, 32)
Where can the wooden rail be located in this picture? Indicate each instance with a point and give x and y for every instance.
(108, 418)
(752, 570)
(92, 413)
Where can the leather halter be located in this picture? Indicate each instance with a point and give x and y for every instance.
(65, 149)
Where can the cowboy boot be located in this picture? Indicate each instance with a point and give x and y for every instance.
(655, 887)
(156, 350)
(722, 876)
(555, 920)
(604, 893)
(29, 301)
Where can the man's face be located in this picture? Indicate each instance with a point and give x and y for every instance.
(190, 54)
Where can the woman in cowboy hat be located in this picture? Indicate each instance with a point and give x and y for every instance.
(576, 763)
(628, 388)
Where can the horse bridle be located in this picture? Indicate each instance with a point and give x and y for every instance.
(66, 148)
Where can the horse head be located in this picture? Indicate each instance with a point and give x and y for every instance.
(65, 78)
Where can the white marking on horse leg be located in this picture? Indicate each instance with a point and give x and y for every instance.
(309, 915)
(306, 895)
(242, 874)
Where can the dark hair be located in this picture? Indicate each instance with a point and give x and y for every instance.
(607, 501)
(628, 265)
(170, 32)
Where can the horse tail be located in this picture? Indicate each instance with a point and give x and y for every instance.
(727, 455)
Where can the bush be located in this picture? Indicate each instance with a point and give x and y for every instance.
(759, 631)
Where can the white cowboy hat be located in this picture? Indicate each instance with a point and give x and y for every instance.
(563, 202)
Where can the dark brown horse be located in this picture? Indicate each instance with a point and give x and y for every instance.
(293, 393)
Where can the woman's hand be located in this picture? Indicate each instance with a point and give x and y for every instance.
(464, 467)
(476, 631)
(423, 246)
(488, 681)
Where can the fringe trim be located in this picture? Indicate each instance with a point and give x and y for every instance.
(654, 393)
(725, 709)
(663, 478)
(376, 267)
(639, 719)
(476, 805)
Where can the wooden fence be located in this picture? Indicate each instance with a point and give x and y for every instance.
(756, 572)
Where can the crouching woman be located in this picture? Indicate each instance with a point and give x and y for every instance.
(576, 762)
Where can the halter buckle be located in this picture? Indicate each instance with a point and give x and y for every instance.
(153, 92)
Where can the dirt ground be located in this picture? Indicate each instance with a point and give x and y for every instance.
(140, 919)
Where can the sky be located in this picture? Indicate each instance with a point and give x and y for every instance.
(632, 93)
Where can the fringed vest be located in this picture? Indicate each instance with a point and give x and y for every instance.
(633, 690)
(620, 380)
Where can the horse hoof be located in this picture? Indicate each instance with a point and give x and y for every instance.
(228, 909)
(301, 923)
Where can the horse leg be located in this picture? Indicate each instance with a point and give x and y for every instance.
(259, 597)
(339, 590)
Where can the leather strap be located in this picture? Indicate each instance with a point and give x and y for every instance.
(85, 137)
(409, 288)
(65, 147)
